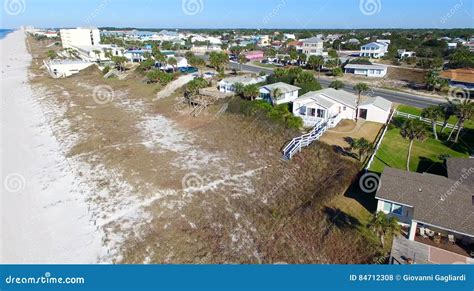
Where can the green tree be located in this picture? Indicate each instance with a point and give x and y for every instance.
(275, 95)
(173, 62)
(218, 60)
(316, 62)
(464, 110)
(336, 84)
(432, 113)
(383, 226)
(239, 88)
(119, 61)
(362, 146)
(360, 88)
(412, 130)
(251, 91)
(198, 63)
(242, 60)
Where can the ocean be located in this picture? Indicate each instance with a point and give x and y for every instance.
(4, 32)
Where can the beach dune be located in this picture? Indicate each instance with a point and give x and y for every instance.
(44, 214)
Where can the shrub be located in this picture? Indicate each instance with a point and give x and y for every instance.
(106, 70)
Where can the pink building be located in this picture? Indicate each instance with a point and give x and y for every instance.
(254, 55)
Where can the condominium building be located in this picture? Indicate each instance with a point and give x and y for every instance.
(79, 37)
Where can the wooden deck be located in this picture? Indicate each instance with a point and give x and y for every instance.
(422, 253)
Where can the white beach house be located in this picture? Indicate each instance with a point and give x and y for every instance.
(366, 70)
(334, 105)
(327, 104)
(286, 93)
(228, 84)
(374, 50)
(433, 211)
(65, 68)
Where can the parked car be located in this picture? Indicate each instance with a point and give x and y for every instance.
(188, 70)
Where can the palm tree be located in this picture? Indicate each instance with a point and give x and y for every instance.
(276, 94)
(239, 88)
(97, 54)
(383, 226)
(173, 62)
(198, 63)
(447, 109)
(242, 60)
(336, 85)
(360, 88)
(316, 62)
(251, 91)
(413, 130)
(432, 113)
(464, 110)
(362, 146)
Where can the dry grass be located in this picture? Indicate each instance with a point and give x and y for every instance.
(248, 206)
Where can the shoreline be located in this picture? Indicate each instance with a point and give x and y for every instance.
(45, 217)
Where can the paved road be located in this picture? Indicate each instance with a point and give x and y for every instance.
(394, 96)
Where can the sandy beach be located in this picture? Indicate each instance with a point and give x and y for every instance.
(45, 218)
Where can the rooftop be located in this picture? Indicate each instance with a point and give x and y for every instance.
(331, 95)
(379, 102)
(465, 75)
(360, 66)
(436, 200)
(284, 87)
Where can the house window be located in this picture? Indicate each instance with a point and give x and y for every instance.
(397, 209)
(320, 113)
(392, 208)
(303, 110)
(344, 108)
(312, 112)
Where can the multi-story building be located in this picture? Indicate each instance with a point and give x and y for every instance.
(374, 50)
(313, 46)
(79, 37)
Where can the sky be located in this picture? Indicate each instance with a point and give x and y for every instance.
(291, 14)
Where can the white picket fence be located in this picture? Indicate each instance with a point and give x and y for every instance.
(426, 120)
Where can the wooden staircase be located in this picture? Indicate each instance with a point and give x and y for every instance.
(304, 140)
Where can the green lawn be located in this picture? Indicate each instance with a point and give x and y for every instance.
(427, 156)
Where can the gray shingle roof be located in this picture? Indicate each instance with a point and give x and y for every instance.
(284, 87)
(379, 102)
(329, 96)
(461, 168)
(367, 67)
(436, 200)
